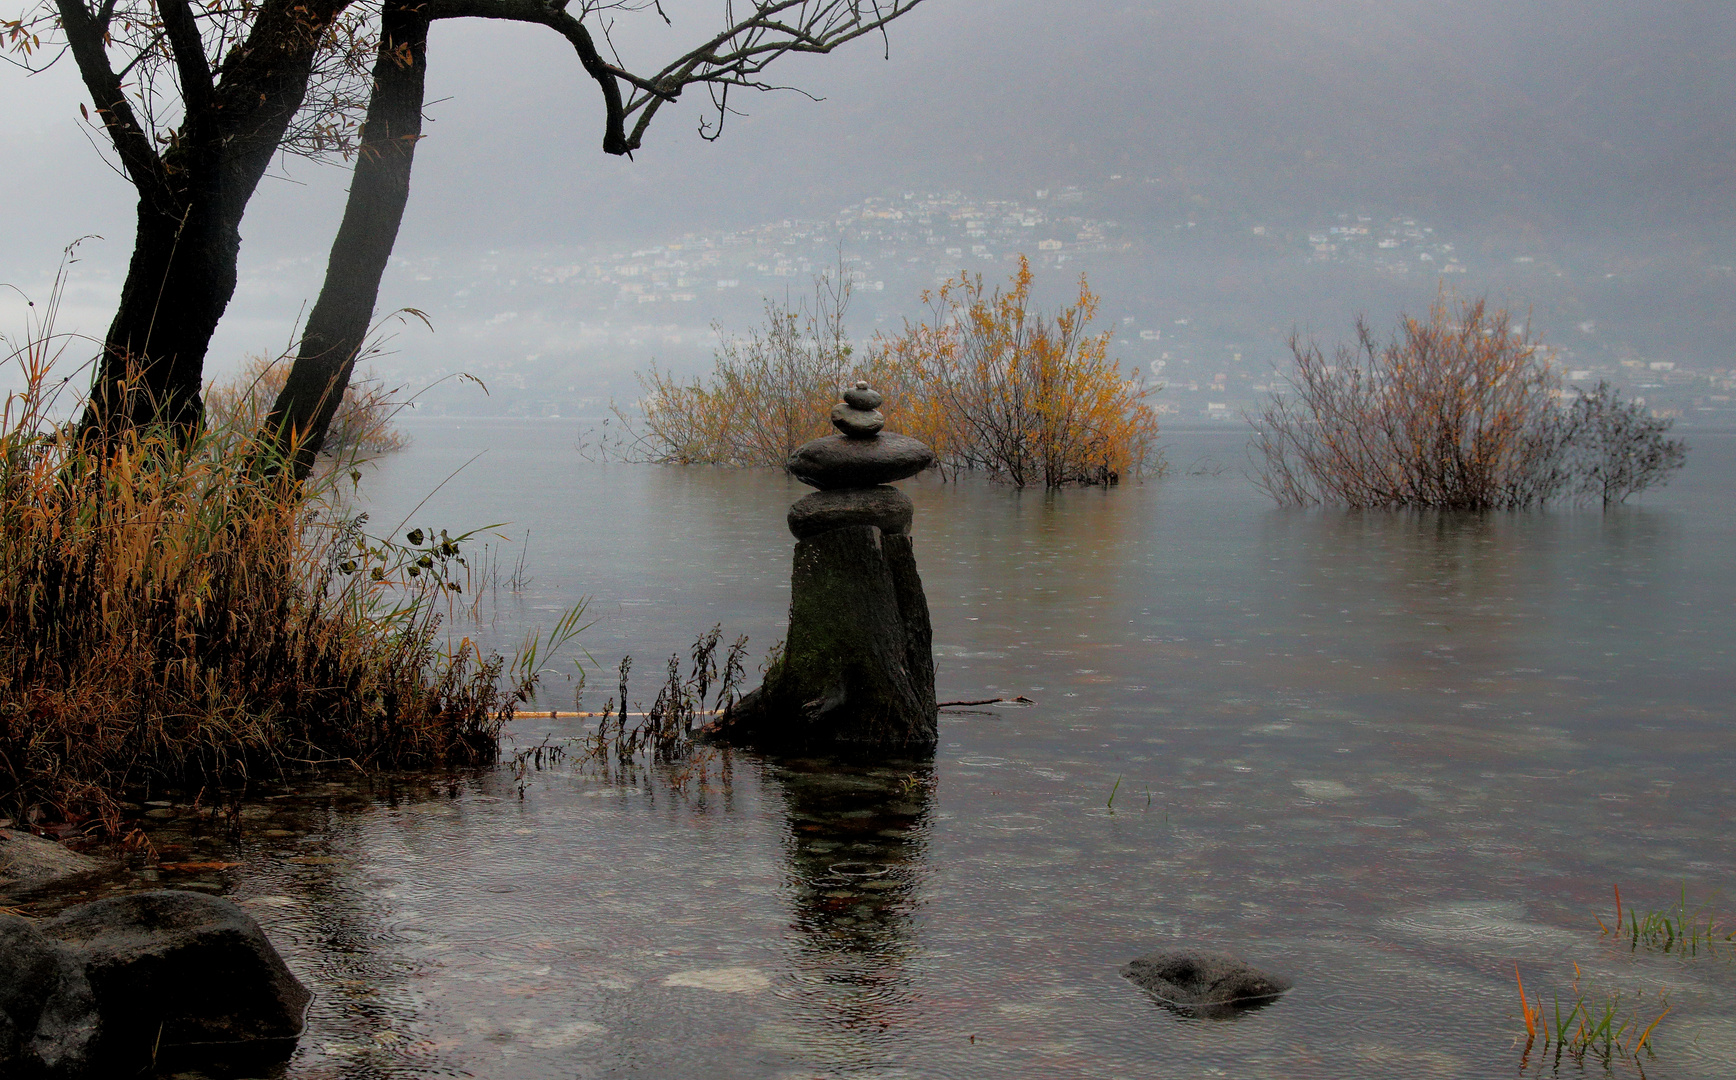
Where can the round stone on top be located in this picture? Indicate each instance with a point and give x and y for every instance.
(837, 461)
(860, 397)
(857, 416)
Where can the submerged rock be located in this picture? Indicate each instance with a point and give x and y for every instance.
(29, 862)
(1206, 982)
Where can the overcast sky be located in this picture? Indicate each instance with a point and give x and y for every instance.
(1576, 120)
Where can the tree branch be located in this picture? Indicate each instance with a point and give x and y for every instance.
(85, 37)
(189, 50)
(734, 56)
(556, 18)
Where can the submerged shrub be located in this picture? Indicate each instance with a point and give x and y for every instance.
(362, 424)
(996, 386)
(170, 615)
(1457, 411)
(989, 382)
(768, 393)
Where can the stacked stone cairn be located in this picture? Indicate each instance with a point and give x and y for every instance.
(857, 668)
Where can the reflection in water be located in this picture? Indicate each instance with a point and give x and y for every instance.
(1389, 755)
(858, 837)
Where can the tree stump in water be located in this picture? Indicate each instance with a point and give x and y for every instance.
(857, 668)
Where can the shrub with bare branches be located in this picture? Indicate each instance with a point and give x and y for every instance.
(989, 382)
(362, 424)
(996, 386)
(1456, 411)
(768, 393)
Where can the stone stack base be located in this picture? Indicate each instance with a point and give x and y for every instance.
(857, 670)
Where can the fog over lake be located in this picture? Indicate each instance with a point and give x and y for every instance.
(1577, 156)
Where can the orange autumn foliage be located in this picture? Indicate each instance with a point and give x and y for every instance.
(994, 385)
(989, 382)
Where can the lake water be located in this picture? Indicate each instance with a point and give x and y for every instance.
(1388, 755)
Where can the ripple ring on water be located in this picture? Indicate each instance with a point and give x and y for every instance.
(1015, 822)
(860, 869)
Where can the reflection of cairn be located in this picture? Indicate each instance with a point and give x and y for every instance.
(857, 667)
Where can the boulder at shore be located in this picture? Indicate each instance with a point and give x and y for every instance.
(29, 862)
(109, 984)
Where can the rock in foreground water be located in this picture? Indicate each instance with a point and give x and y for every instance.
(48, 1017)
(1204, 980)
(105, 987)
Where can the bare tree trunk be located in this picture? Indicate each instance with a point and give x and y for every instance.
(338, 324)
(191, 195)
(181, 276)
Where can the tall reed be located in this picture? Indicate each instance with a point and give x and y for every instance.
(1606, 1030)
(362, 424)
(172, 614)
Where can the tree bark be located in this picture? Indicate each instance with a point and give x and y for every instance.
(191, 196)
(338, 325)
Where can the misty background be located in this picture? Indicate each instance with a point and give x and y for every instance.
(1224, 173)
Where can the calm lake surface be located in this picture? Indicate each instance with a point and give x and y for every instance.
(1388, 755)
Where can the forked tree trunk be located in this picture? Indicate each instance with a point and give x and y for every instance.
(191, 196)
(379, 189)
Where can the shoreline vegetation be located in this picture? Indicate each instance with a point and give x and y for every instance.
(362, 426)
(989, 382)
(176, 614)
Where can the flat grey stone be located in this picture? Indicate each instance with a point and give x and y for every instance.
(1205, 981)
(885, 508)
(857, 423)
(30, 862)
(835, 461)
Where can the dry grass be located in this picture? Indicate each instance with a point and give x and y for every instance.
(168, 617)
(362, 424)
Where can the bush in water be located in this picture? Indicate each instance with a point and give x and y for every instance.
(1457, 411)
